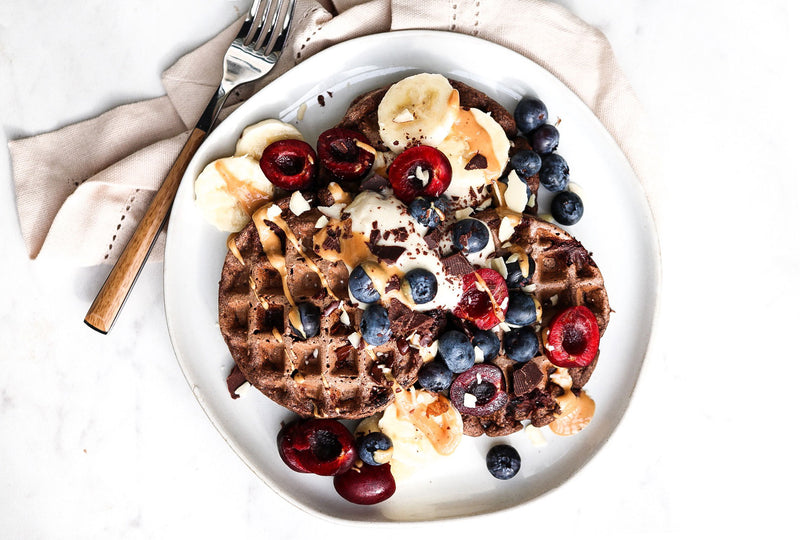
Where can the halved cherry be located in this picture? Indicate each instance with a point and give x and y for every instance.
(366, 484)
(572, 338)
(289, 164)
(484, 300)
(320, 446)
(345, 153)
(479, 391)
(420, 171)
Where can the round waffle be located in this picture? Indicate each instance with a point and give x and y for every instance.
(325, 375)
(564, 275)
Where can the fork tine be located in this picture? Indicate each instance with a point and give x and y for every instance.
(255, 20)
(281, 37)
(267, 32)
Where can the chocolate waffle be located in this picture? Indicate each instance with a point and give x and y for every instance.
(325, 375)
(565, 275)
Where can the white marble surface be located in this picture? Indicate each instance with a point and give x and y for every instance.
(101, 437)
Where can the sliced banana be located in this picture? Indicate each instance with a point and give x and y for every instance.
(258, 136)
(229, 189)
(418, 109)
(474, 132)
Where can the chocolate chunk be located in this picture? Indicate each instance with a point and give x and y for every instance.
(235, 380)
(433, 238)
(527, 378)
(457, 265)
(393, 284)
(387, 254)
(402, 346)
(478, 161)
(374, 182)
(405, 321)
(321, 100)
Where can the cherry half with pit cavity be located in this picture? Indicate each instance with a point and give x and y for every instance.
(479, 391)
(476, 304)
(572, 338)
(289, 164)
(420, 171)
(320, 446)
(346, 154)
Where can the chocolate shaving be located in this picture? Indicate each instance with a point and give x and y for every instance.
(457, 265)
(433, 238)
(402, 346)
(235, 379)
(330, 308)
(331, 241)
(374, 182)
(343, 351)
(321, 100)
(393, 284)
(526, 378)
(478, 161)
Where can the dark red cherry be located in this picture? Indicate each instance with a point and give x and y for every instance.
(572, 338)
(420, 171)
(476, 304)
(320, 446)
(290, 164)
(345, 153)
(366, 484)
(479, 391)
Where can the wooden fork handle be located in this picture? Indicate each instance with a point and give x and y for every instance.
(112, 295)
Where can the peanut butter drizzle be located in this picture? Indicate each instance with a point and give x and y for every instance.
(576, 411)
(442, 437)
(467, 127)
(498, 311)
(231, 243)
(248, 196)
(271, 244)
(259, 218)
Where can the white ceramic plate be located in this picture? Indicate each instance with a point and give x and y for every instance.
(617, 227)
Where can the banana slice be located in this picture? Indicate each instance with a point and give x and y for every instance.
(418, 109)
(258, 136)
(230, 189)
(474, 132)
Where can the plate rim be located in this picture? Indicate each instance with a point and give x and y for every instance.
(420, 34)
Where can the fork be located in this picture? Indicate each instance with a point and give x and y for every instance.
(252, 55)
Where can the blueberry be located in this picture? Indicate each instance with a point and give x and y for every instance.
(567, 208)
(554, 174)
(435, 376)
(545, 139)
(456, 351)
(470, 235)
(530, 114)
(420, 285)
(423, 209)
(361, 286)
(487, 342)
(375, 327)
(521, 309)
(309, 320)
(515, 277)
(526, 163)
(503, 461)
(374, 448)
(521, 344)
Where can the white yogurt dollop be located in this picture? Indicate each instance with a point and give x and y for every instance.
(372, 211)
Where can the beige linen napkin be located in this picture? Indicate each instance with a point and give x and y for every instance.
(82, 189)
